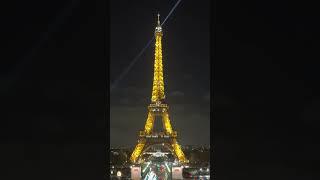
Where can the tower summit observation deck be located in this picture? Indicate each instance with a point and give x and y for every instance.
(158, 108)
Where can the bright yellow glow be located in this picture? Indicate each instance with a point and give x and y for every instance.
(158, 108)
(158, 84)
(167, 123)
(137, 151)
(178, 151)
(149, 123)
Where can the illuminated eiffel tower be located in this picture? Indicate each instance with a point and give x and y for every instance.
(158, 108)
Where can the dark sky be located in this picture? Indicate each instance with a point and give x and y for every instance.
(186, 68)
(266, 90)
(53, 90)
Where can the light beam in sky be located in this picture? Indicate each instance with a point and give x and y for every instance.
(125, 72)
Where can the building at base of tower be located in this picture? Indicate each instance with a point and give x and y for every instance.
(198, 166)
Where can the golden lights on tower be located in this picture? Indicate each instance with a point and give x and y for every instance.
(158, 84)
(158, 108)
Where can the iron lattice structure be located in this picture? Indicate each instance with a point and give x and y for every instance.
(158, 108)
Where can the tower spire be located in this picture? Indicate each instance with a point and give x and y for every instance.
(158, 27)
(159, 20)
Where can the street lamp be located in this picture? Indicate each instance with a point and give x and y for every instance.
(119, 173)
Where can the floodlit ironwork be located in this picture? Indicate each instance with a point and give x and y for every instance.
(158, 108)
(158, 84)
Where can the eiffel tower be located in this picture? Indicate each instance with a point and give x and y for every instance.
(158, 108)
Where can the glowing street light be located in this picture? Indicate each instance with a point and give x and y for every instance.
(119, 174)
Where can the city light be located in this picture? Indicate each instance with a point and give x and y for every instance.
(119, 173)
(146, 167)
(167, 166)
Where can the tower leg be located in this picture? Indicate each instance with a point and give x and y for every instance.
(166, 123)
(137, 151)
(149, 123)
(178, 151)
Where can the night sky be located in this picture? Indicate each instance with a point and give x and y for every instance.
(186, 58)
